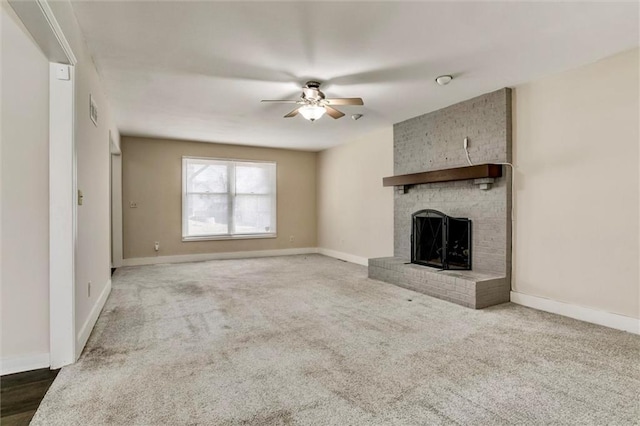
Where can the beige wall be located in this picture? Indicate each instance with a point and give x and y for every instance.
(355, 212)
(92, 157)
(152, 177)
(576, 151)
(24, 184)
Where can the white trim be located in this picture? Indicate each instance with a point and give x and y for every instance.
(230, 164)
(607, 319)
(229, 237)
(39, 19)
(18, 364)
(41, 23)
(57, 31)
(345, 256)
(114, 149)
(87, 327)
(62, 219)
(183, 258)
(116, 210)
(224, 159)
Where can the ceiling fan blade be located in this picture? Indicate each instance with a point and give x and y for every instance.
(282, 101)
(292, 113)
(344, 101)
(334, 113)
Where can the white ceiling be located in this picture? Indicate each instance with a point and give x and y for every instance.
(198, 70)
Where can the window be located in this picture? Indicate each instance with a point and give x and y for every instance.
(228, 199)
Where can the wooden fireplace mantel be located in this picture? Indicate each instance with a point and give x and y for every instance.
(481, 171)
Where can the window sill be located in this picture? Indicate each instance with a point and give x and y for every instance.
(229, 237)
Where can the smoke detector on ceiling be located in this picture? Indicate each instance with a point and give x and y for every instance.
(443, 80)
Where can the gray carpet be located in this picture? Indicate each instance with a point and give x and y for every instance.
(311, 340)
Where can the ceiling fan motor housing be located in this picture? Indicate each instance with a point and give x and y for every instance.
(311, 91)
(312, 85)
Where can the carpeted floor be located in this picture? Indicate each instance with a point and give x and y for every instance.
(311, 340)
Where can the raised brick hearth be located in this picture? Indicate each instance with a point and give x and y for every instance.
(467, 288)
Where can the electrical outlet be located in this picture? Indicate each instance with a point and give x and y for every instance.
(156, 246)
(89, 289)
(133, 205)
(291, 238)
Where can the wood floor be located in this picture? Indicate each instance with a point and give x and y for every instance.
(21, 394)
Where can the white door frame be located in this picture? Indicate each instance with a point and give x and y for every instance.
(39, 19)
(116, 203)
(62, 217)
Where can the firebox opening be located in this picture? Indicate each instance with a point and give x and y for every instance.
(440, 241)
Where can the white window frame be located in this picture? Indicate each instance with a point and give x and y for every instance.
(231, 193)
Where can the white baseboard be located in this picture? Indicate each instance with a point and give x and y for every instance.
(18, 364)
(345, 256)
(607, 319)
(137, 261)
(87, 327)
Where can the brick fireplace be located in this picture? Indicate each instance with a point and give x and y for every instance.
(434, 141)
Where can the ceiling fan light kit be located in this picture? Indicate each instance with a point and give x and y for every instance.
(313, 103)
(312, 112)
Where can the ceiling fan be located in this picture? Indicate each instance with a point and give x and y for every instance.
(313, 104)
